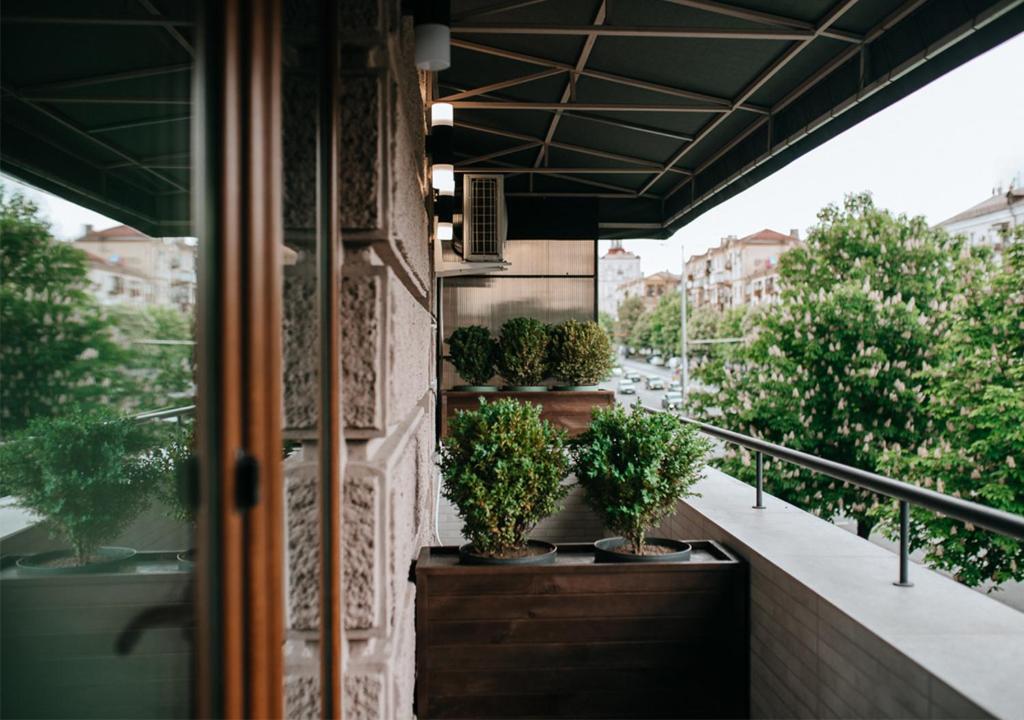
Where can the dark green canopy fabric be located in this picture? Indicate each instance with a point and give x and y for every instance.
(657, 109)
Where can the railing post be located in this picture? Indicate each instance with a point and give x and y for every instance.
(760, 482)
(904, 580)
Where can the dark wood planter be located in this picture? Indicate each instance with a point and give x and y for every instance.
(60, 633)
(582, 640)
(569, 409)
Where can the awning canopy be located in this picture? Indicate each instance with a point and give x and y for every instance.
(664, 108)
(658, 109)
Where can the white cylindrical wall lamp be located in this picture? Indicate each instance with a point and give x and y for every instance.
(432, 21)
(442, 176)
(444, 206)
(442, 114)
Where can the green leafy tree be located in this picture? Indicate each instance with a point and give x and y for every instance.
(833, 368)
(55, 350)
(972, 444)
(155, 355)
(607, 323)
(630, 311)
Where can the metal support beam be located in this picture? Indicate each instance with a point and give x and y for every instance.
(138, 123)
(85, 20)
(637, 32)
(108, 78)
(763, 77)
(569, 93)
(501, 153)
(497, 8)
(599, 75)
(564, 146)
(484, 89)
(73, 127)
(519, 170)
(171, 30)
(591, 107)
(772, 19)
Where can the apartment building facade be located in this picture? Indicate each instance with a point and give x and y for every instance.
(650, 288)
(739, 271)
(990, 220)
(129, 266)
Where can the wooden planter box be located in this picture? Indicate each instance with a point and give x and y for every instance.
(582, 640)
(569, 409)
(60, 633)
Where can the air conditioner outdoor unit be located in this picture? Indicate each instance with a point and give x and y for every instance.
(484, 218)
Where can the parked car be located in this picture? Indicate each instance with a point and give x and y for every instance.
(675, 386)
(673, 362)
(626, 387)
(656, 360)
(654, 382)
(616, 371)
(672, 401)
(633, 375)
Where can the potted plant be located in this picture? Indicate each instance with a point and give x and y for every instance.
(503, 469)
(580, 354)
(174, 490)
(88, 475)
(523, 354)
(634, 467)
(473, 353)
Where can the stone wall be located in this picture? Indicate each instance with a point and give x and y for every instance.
(387, 344)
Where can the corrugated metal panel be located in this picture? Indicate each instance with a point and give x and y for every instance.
(550, 257)
(490, 301)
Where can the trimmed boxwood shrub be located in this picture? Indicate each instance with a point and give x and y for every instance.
(473, 352)
(503, 469)
(88, 474)
(634, 467)
(523, 351)
(579, 353)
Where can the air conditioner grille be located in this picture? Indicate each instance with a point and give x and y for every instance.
(484, 216)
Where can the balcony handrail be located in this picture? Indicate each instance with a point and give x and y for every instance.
(998, 521)
(175, 412)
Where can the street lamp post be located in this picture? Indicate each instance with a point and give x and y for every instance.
(683, 362)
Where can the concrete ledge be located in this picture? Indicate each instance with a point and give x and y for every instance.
(831, 636)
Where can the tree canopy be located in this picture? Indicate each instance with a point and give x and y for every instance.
(833, 369)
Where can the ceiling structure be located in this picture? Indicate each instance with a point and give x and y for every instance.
(661, 109)
(657, 109)
(96, 105)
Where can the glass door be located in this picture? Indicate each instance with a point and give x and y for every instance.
(139, 360)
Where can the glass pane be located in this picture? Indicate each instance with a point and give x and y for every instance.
(98, 362)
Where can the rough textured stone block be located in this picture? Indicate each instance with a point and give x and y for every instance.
(364, 308)
(301, 346)
(364, 697)
(299, 117)
(409, 221)
(359, 17)
(302, 698)
(361, 549)
(303, 525)
(360, 166)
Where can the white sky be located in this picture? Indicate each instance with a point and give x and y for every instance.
(934, 153)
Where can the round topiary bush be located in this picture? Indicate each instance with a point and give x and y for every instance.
(635, 466)
(503, 469)
(523, 351)
(87, 474)
(472, 352)
(579, 353)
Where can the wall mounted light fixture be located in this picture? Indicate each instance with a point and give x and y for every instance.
(432, 21)
(442, 168)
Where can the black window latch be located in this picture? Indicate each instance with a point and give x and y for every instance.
(247, 481)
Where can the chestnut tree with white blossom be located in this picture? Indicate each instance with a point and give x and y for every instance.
(835, 368)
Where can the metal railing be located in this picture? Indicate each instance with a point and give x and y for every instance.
(176, 413)
(982, 516)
